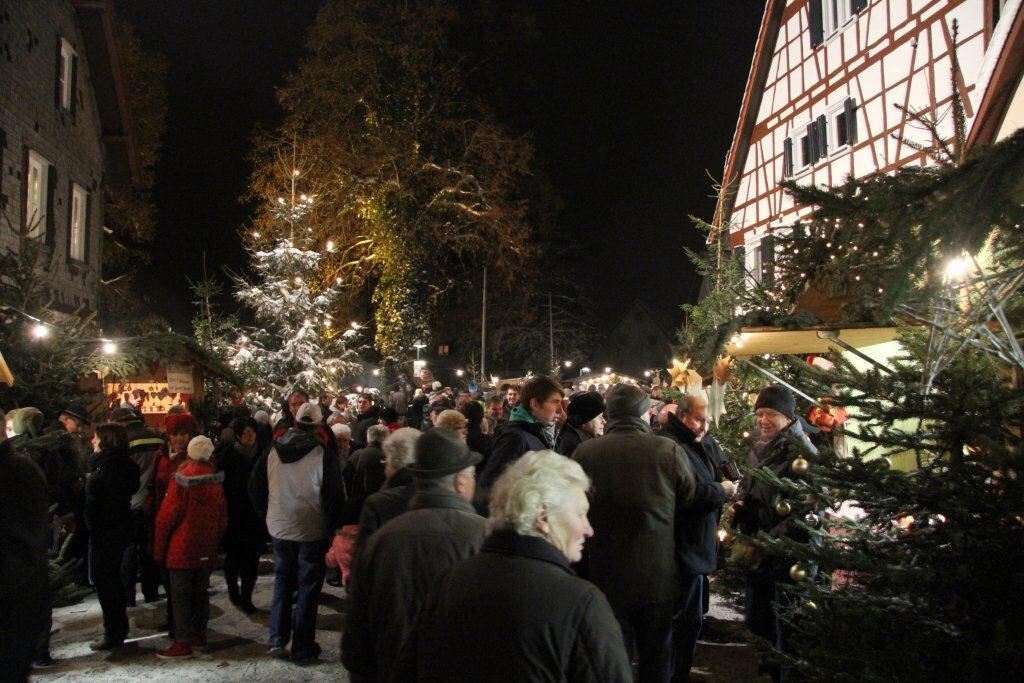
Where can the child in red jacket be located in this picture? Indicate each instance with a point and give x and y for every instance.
(189, 527)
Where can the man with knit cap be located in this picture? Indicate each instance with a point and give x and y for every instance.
(143, 446)
(580, 422)
(403, 560)
(297, 487)
(782, 440)
(640, 483)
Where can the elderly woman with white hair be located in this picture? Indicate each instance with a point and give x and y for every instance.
(518, 602)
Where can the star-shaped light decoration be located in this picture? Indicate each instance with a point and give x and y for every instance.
(678, 373)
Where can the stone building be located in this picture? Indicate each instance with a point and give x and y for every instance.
(65, 134)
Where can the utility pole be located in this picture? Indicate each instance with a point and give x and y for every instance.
(483, 333)
(551, 334)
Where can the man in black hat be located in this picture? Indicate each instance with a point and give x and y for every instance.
(404, 559)
(581, 421)
(641, 482)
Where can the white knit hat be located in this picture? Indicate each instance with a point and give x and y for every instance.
(200, 448)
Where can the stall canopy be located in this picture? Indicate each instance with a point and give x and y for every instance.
(757, 341)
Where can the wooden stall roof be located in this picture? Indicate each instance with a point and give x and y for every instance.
(757, 341)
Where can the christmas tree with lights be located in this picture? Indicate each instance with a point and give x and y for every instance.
(914, 507)
(294, 343)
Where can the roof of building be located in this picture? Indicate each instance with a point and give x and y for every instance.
(96, 21)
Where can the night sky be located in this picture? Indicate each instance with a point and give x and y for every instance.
(631, 104)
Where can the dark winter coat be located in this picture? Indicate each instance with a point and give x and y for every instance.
(108, 496)
(481, 443)
(24, 571)
(397, 570)
(363, 475)
(756, 510)
(527, 616)
(245, 529)
(384, 505)
(569, 438)
(56, 457)
(697, 524)
(192, 518)
(512, 440)
(640, 483)
(363, 422)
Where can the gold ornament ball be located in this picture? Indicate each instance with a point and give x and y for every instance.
(783, 509)
(797, 572)
(811, 604)
(800, 466)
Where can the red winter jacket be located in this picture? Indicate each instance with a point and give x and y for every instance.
(163, 471)
(192, 518)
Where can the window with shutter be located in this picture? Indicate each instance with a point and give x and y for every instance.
(812, 143)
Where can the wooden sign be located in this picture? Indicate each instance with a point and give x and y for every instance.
(179, 379)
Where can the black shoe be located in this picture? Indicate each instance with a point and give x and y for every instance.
(311, 658)
(245, 604)
(233, 592)
(105, 644)
(43, 661)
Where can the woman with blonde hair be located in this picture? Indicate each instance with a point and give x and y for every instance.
(527, 614)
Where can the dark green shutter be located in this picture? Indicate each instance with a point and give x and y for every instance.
(822, 137)
(74, 85)
(56, 80)
(817, 22)
(812, 142)
(86, 232)
(850, 109)
(787, 157)
(51, 195)
(767, 275)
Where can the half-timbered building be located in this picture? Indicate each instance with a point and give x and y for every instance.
(831, 91)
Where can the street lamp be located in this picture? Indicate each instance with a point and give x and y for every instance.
(459, 373)
(584, 370)
(568, 363)
(607, 371)
(418, 345)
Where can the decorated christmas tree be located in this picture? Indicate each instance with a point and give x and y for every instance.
(294, 342)
(912, 572)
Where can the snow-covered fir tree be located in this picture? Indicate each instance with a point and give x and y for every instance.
(293, 343)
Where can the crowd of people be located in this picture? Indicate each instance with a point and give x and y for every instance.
(531, 533)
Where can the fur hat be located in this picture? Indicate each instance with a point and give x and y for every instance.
(626, 400)
(26, 421)
(308, 415)
(779, 399)
(451, 419)
(584, 407)
(200, 448)
(179, 422)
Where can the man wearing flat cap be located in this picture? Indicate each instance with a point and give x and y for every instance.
(405, 558)
(640, 483)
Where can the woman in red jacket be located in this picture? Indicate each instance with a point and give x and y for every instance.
(189, 527)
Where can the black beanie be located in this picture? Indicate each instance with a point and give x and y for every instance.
(584, 407)
(778, 398)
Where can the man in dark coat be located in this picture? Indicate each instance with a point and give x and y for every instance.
(143, 445)
(398, 489)
(24, 572)
(403, 560)
(756, 510)
(640, 483)
(475, 438)
(526, 430)
(367, 415)
(696, 525)
(583, 408)
(365, 473)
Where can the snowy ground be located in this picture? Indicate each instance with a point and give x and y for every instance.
(237, 645)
